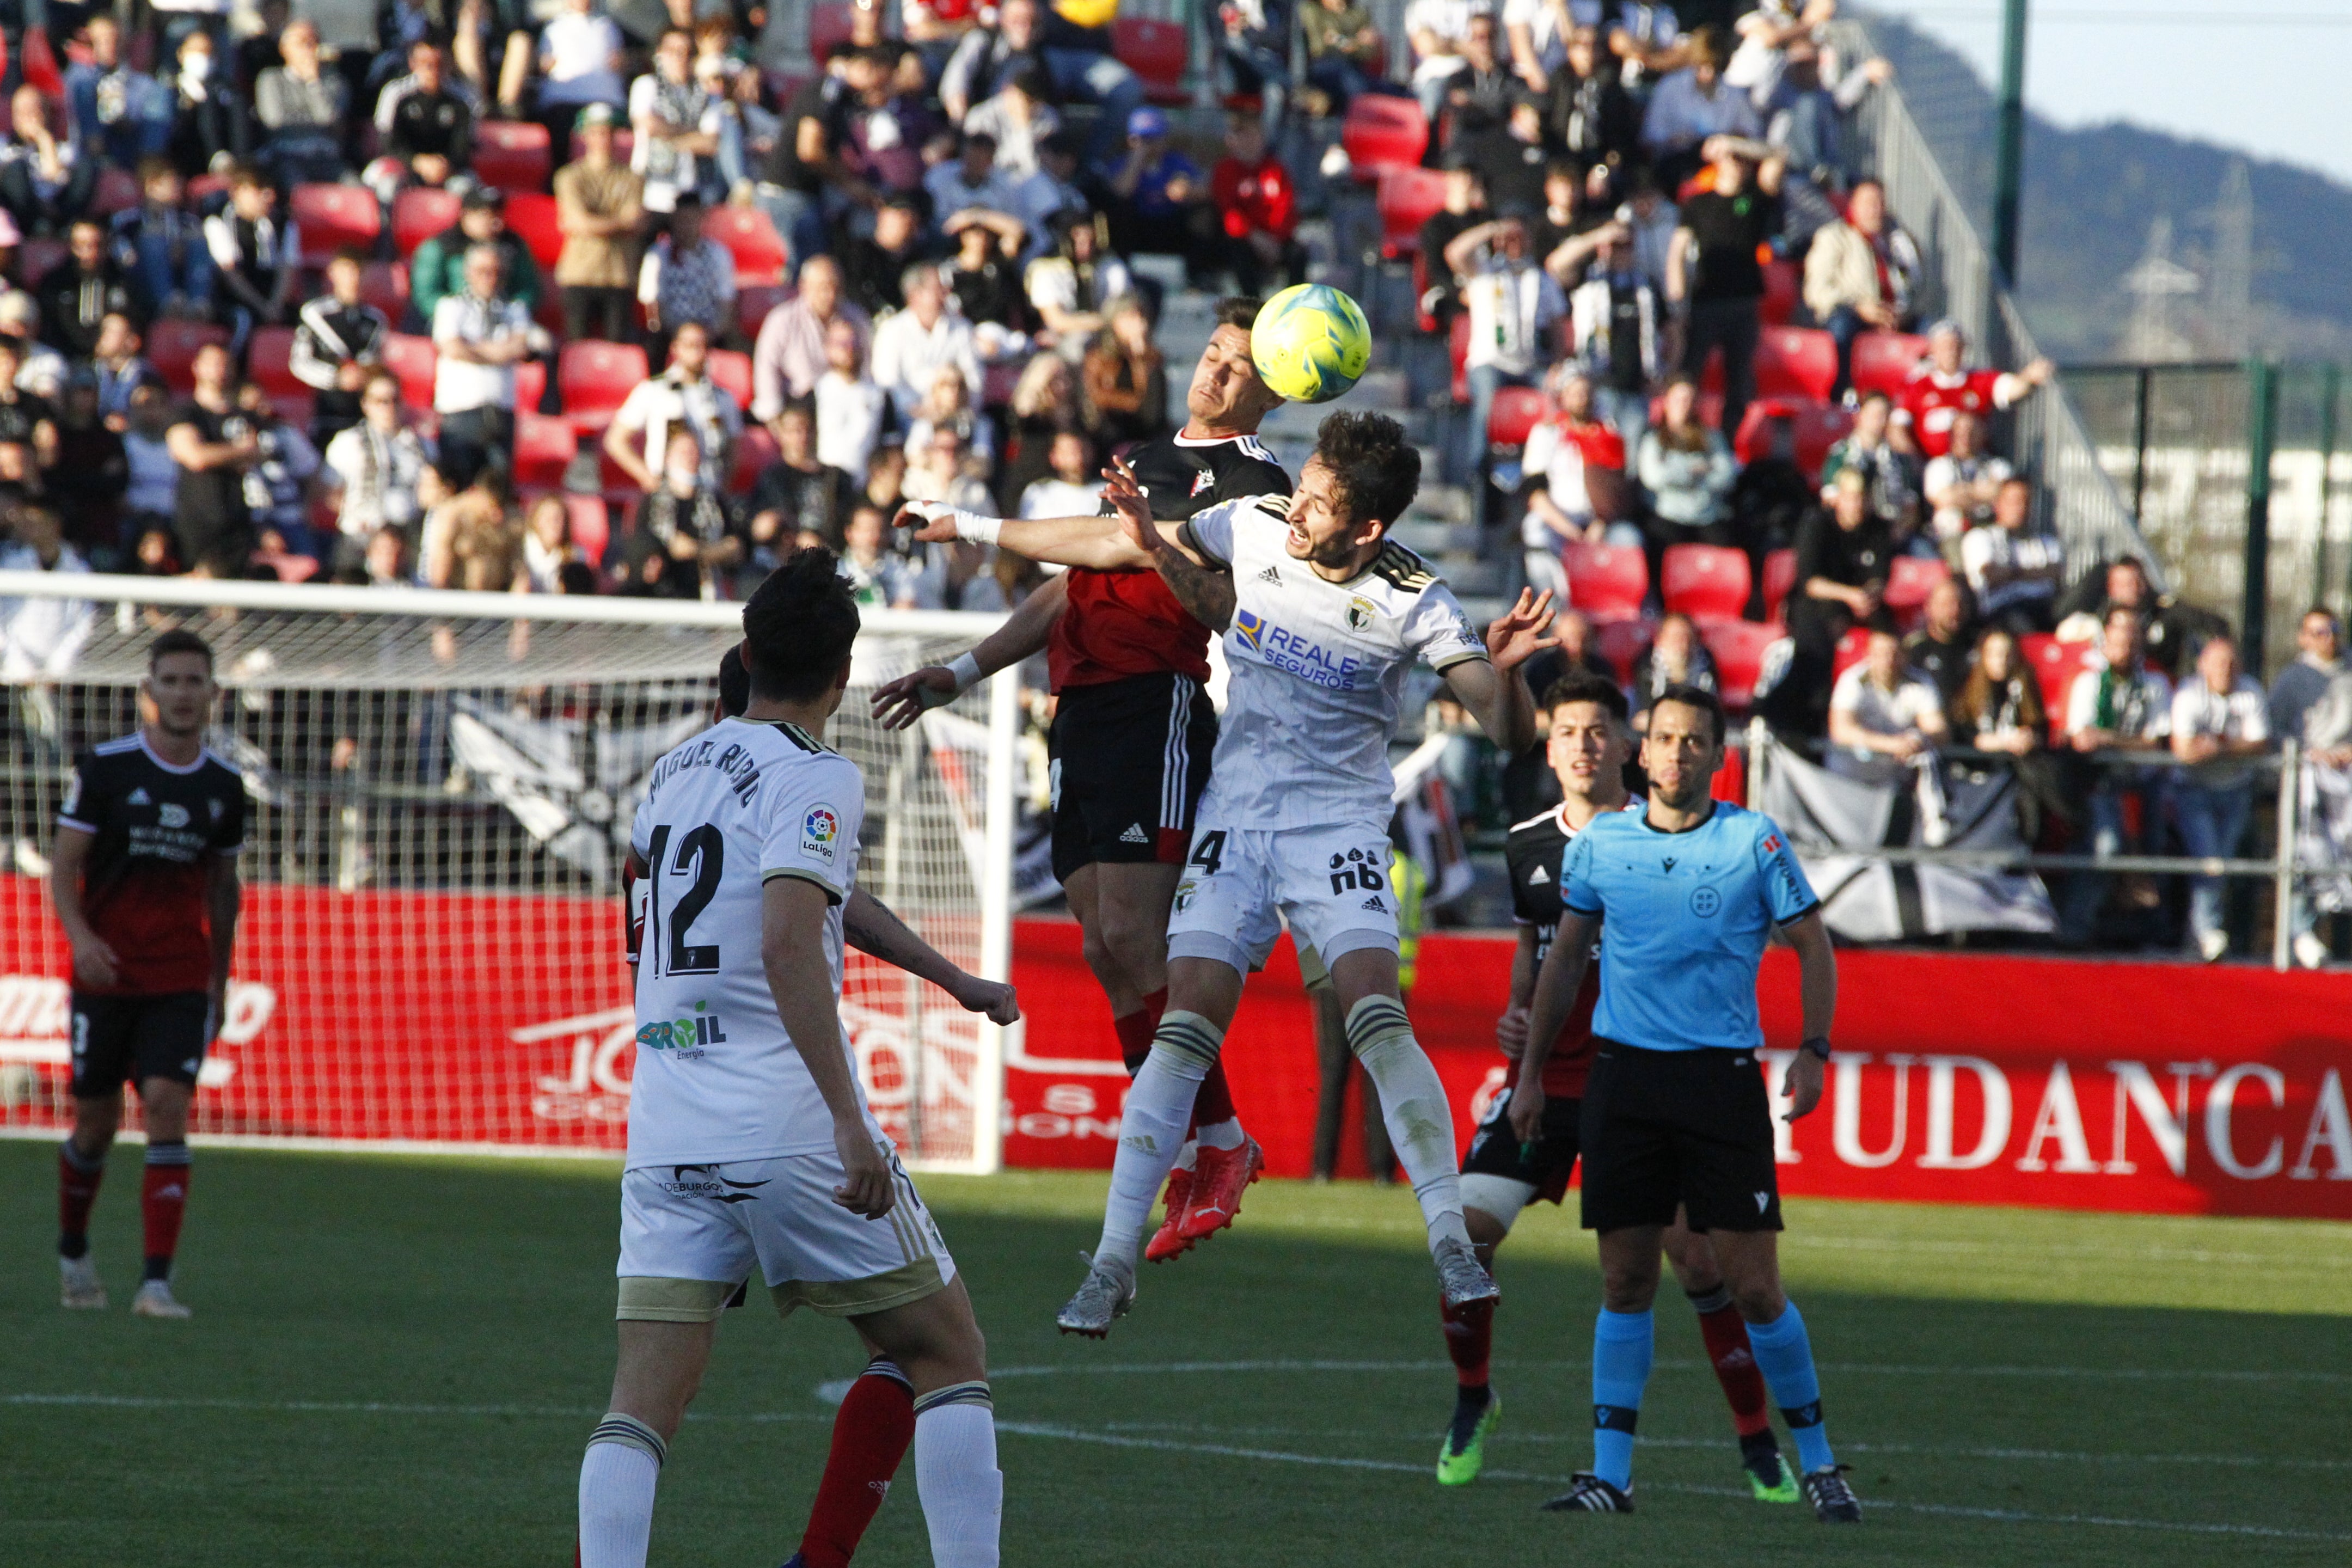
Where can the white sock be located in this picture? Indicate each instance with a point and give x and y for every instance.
(956, 1477)
(1225, 1134)
(1151, 1127)
(1413, 1105)
(617, 1492)
(1188, 1158)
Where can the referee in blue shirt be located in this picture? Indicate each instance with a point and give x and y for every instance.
(1676, 1113)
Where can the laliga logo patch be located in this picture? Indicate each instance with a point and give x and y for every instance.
(819, 828)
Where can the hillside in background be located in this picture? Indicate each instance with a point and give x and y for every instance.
(2091, 196)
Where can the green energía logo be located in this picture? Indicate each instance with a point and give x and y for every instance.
(699, 1028)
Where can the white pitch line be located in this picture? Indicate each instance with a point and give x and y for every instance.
(2125, 1374)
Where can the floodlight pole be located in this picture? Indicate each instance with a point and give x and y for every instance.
(2009, 155)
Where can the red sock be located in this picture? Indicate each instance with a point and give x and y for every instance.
(1469, 1340)
(76, 1191)
(870, 1435)
(163, 1203)
(1135, 1031)
(1734, 1362)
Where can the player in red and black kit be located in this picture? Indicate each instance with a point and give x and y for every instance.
(146, 888)
(1587, 741)
(1132, 732)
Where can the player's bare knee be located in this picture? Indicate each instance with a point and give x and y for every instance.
(164, 1107)
(96, 1121)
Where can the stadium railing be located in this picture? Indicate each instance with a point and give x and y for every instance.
(440, 788)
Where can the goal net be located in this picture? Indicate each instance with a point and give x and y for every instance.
(441, 787)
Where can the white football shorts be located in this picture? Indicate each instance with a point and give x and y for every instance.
(1241, 883)
(691, 1235)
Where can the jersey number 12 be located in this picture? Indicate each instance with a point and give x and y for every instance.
(703, 852)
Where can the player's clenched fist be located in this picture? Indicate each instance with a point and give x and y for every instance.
(991, 999)
(866, 1189)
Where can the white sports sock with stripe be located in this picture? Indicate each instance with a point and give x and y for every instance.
(1151, 1127)
(617, 1476)
(1413, 1105)
(956, 1477)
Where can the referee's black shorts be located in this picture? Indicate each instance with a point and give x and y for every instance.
(1663, 1128)
(1130, 760)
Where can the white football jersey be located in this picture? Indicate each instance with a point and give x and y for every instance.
(1317, 672)
(716, 1078)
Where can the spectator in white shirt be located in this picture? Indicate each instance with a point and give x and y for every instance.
(790, 354)
(480, 335)
(40, 639)
(1963, 486)
(1882, 715)
(676, 123)
(639, 438)
(911, 348)
(1516, 309)
(849, 404)
(375, 466)
(2114, 714)
(1437, 28)
(580, 63)
(1019, 117)
(1073, 488)
(2218, 719)
(686, 277)
(2013, 571)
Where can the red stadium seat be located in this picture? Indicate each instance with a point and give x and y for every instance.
(171, 348)
(419, 214)
(1738, 648)
(412, 359)
(1158, 52)
(531, 384)
(384, 285)
(1795, 362)
(512, 155)
(269, 359)
(1381, 133)
(118, 192)
(1457, 348)
(1784, 284)
(531, 216)
(733, 371)
(752, 239)
(1607, 582)
(1817, 426)
(753, 453)
(1516, 410)
(752, 305)
(1780, 578)
(1852, 649)
(1408, 198)
(595, 379)
(1620, 642)
(828, 29)
(329, 218)
(592, 526)
(1883, 361)
(1706, 580)
(1909, 580)
(543, 449)
(2054, 665)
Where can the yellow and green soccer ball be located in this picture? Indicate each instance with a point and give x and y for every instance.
(1310, 343)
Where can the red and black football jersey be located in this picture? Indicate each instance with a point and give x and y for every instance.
(157, 829)
(1533, 854)
(1122, 623)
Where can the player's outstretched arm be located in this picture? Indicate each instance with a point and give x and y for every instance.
(870, 927)
(1494, 689)
(1024, 632)
(792, 912)
(1557, 984)
(1118, 542)
(1817, 969)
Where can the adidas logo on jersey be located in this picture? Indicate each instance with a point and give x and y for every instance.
(1270, 575)
(139, 797)
(1134, 834)
(1374, 904)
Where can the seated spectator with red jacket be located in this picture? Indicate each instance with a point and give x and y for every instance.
(1259, 205)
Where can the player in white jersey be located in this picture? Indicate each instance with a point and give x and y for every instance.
(1328, 616)
(751, 1145)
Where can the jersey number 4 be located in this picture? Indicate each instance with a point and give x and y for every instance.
(703, 852)
(1209, 851)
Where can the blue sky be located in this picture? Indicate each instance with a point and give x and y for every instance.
(2270, 79)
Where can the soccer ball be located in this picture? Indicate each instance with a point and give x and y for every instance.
(1310, 343)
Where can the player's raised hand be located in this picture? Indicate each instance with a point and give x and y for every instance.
(869, 1190)
(1527, 1110)
(933, 522)
(1518, 635)
(1802, 1086)
(903, 700)
(990, 998)
(1131, 507)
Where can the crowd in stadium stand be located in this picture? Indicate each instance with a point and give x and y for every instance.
(346, 297)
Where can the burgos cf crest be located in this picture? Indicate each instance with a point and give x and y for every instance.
(1359, 615)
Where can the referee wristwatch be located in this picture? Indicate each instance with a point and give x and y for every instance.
(1819, 1046)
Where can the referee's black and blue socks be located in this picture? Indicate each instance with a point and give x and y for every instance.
(1785, 1356)
(1623, 1344)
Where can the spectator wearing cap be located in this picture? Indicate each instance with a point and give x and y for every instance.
(676, 123)
(301, 106)
(914, 344)
(1018, 118)
(790, 354)
(686, 277)
(580, 60)
(872, 264)
(437, 271)
(121, 114)
(2319, 659)
(1159, 199)
(1861, 272)
(1343, 51)
(1516, 309)
(1259, 205)
(1713, 279)
(970, 181)
(1463, 207)
(338, 338)
(2115, 713)
(256, 256)
(162, 245)
(1941, 387)
(1690, 107)
(45, 181)
(1026, 34)
(2014, 571)
(426, 131)
(683, 394)
(481, 332)
(78, 294)
(599, 203)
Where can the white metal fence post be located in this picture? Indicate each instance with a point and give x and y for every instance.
(996, 914)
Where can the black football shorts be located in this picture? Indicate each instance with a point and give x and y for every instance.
(1666, 1128)
(119, 1040)
(1130, 760)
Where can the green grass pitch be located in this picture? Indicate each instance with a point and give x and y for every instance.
(396, 1362)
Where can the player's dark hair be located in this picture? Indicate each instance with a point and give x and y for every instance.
(1239, 311)
(798, 627)
(179, 639)
(1703, 699)
(1584, 686)
(734, 683)
(1378, 469)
